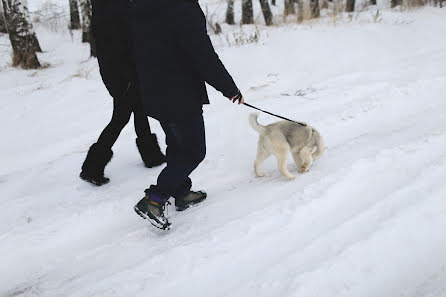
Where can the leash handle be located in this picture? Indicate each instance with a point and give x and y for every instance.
(275, 115)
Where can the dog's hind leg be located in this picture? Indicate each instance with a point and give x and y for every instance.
(262, 155)
(305, 155)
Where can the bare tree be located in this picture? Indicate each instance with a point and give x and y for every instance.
(394, 3)
(314, 8)
(2, 21)
(324, 4)
(247, 12)
(87, 34)
(230, 13)
(350, 6)
(75, 22)
(21, 34)
(34, 40)
(289, 7)
(266, 10)
(300, 11)
(86, 19)
(372, 2)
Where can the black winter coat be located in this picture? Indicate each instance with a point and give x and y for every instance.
(174, 58)
(111, 25)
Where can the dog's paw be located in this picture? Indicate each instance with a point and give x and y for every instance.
(260, 174)
(291, 177)
(304, 168)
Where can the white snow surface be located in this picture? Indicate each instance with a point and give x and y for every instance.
(367, 220)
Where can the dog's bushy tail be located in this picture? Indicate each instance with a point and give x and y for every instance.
(254, 124)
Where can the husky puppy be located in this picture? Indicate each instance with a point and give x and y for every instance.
(281, 138)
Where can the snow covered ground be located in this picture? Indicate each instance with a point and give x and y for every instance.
(368, 220)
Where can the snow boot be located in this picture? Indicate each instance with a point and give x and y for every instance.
(152, 207)
(150, 151)
(94, 165)
(188, 198)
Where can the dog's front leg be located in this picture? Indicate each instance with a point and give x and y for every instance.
(282, 154)
(305, 155)
(297, 159)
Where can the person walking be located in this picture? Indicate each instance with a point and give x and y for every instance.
(174, 58)
(112, 30)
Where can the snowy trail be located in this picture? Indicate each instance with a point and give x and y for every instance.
(367, 220)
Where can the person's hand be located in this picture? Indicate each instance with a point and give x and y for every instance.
(239, 98)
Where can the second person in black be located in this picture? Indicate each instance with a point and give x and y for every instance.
(112, 30)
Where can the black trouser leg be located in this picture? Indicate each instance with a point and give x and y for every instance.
(186, 148)
(142, 127)
(122, 109)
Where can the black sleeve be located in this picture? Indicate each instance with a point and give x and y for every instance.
(195, 43)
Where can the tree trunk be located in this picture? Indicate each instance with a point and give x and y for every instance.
(300, 11)
(230, 13)
(75, 22)
(314, 7)
(247, 12)
(87, 34)
(273, 2)
(34, 40)
(350, 6)
(2, 22)
(324, 4)
(289, 7)
(86, 20)
(372, 2)
(394, 3)
(21, 35)
(266, 10)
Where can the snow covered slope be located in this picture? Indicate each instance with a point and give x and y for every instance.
(368, 220)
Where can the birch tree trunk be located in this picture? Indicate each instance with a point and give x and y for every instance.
(75, 22)
(247, 12)
(300, 11)
(86, 19)
(394, 3)
(87, 34)
(350, 6)
(314, 8)
(266, 10)
(289, 7)
(2, 21)
(21, 34)
(230, 13)
(34, 39)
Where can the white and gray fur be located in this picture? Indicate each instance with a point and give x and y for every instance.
(280, 138)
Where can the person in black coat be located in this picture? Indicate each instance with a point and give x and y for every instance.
(112, 30)
(174, 58)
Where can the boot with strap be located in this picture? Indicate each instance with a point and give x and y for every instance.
(152, 207)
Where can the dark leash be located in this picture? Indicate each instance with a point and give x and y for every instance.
(275, 115)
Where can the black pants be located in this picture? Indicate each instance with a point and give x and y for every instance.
(186, 148)
(122, 110)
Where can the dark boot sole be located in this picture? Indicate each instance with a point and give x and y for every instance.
(153, 220)
(154, 164)
(184, 207)
(93, 181)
